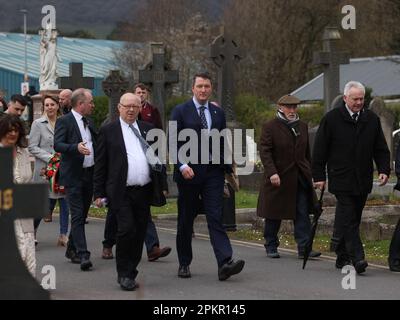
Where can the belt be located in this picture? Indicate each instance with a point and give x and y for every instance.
(137, 187)
(88, 168)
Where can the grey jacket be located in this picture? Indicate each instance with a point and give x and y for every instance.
(41, 146)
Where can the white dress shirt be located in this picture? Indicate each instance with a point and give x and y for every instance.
(86, 137)
(138, 168)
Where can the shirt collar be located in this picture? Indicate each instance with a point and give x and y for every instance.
(351, 112)
(198, 105)
(77, 114)
(127, 125)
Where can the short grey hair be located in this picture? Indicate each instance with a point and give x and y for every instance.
(353, 84)
(79, 95)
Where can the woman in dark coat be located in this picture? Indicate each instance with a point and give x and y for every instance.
(286, 190)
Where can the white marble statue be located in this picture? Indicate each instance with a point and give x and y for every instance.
(48, 59)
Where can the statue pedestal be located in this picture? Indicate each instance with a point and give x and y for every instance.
(37, 101)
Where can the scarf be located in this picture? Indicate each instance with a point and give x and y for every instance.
(293, 125)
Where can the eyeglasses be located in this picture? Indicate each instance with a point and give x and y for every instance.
(133, 107)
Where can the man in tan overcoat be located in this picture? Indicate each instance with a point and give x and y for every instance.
(286, 190)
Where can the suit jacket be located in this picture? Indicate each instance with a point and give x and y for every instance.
(111, 167)
(66, 139)
(187, 117)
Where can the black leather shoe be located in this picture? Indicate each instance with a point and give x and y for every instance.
(360, 266)
(184, 272)
(86, 264)
(229, 269)
(274, 254)
(394, 265)
(127, 284)
(312, 254)
(341, 262)
(71, 254)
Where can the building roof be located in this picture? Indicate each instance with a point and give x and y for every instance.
(382, 74)
(96, 55)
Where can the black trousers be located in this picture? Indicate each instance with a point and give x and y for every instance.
(346, 241)
(394, 249)
(79, 199)
(132, 219)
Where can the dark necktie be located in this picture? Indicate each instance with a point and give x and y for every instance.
(355, 116)
(85, 122)
(204, 124)
(152, 159)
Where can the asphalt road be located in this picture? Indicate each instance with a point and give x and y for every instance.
(261, 279)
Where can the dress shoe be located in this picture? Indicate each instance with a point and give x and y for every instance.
(184, 272)
(158, 252)
(107, 253)
(312, 254)
(71, 254)
(274, 254)
(360, 266)
(127, 284)
(62, 240)
(229, 269)
(342, 261)
(86, 264)
(394, 265)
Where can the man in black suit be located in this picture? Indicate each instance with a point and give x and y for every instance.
(126, 176)
(348, 141)
(75, 138)
(203, 177)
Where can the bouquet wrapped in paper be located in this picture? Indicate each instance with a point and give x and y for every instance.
(51, 173)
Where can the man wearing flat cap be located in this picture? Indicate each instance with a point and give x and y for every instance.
(286, 191)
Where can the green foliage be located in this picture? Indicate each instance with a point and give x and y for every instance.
(395, 108)
(173, 102)
(100, 110)
(253, 112)
(311, 115)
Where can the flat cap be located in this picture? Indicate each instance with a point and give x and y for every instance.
(288, 100)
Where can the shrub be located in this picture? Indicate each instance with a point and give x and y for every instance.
(100, 110)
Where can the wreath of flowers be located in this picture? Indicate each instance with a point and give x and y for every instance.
(51, 173)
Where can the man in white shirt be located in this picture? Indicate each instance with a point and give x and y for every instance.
(74, 138)
(124, 176)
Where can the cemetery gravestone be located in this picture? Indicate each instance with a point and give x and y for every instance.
(331, 59)
(114, 86)
(17, 202)
(159, 77)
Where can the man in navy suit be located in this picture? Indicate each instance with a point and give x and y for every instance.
(124, 175)
(75, 138)
(202, 178)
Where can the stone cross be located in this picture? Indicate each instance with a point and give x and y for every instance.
(17, 201)
(225, 53)
(76, 79)
(159, 77)
(387, 119)
(331, 59)
(114, 86)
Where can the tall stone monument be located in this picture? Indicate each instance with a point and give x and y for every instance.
(48, 58)
(225, 53)
(331, 59)
(158, 77)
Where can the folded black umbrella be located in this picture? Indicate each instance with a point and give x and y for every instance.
(317, 213)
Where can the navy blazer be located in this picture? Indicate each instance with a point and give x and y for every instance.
(187, 117)
(111, 169)
(66, 139)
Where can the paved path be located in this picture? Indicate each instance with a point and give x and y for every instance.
(262, 278)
